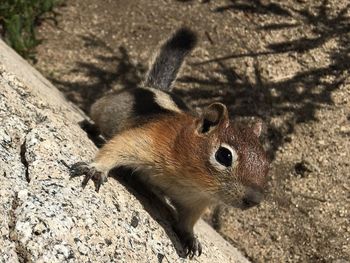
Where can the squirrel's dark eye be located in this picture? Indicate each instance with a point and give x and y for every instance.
(224, 156)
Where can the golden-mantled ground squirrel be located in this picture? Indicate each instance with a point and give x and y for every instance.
(193, 159)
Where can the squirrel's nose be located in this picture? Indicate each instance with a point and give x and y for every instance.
(248, 203)
(252, 198)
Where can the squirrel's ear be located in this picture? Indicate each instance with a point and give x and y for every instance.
(215, 115)
(257, 128)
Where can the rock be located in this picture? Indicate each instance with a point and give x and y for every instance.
(44, 216)
(305, 167)
(302, 168)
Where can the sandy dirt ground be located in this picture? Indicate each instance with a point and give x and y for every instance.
(285, 62)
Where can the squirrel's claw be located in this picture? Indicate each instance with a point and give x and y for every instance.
(193, 247)
(82, 168)
(78, 169)
(190, 242)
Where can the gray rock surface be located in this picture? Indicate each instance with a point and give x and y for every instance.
(44, 216)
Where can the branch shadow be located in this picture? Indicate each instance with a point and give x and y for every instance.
(294, 99)
(324, 26)
(254, 7)
(114, 67)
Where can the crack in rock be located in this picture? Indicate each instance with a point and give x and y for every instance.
(24, 161)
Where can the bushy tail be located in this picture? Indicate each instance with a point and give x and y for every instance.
(167, 63)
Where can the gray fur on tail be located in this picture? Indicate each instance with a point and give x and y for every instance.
(172, 53)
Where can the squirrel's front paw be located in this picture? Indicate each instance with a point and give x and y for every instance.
(192, 247)
(90, 172)
(190, 242)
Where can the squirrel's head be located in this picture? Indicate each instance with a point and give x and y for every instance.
(234, 160)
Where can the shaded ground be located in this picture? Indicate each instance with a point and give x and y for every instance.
(286, 62)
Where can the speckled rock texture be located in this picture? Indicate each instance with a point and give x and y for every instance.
(44, 216)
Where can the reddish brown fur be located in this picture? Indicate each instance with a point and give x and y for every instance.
(253, 163)
(193, 160)
(179, 150)
(178, 153)
(174, 153)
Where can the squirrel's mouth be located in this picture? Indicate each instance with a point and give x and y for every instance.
(253, 197)
(245, 198)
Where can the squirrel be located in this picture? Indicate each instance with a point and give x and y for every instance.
(194, 159)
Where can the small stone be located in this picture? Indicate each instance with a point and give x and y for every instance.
(39, 228)
(321, 142)
(83, 249)
(134, 221)
(22, 195)
(108, 241)
(303, 168)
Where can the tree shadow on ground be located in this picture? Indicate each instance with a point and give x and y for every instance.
(294, 99)
(254, 7)
(114, 67)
